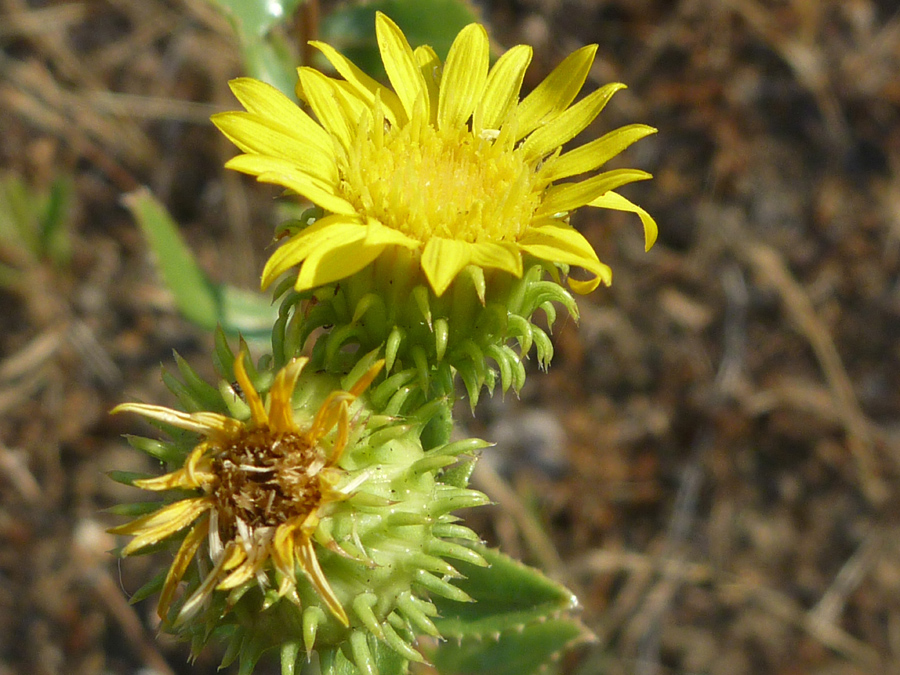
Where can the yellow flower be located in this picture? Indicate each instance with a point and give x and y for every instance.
(260, 488)
(449, 164)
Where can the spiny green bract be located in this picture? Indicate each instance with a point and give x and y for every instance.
(426, 339)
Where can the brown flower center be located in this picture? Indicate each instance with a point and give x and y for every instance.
(265, 479)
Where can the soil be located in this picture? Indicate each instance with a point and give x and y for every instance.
(711, 462)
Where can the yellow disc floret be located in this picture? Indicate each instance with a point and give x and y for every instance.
(449, 183)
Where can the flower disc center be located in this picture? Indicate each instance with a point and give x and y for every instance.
(427, 182)
(266, 478)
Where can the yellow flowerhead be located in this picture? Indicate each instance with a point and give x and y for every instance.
(259, 490)
(448, 164)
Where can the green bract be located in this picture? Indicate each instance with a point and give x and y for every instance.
(482, 328)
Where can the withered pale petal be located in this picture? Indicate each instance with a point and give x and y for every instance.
(206, 423)
(309, 563)
(183, 558)
(156, 526)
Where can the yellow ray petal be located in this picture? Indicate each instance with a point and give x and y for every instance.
(266, 101)
(400, 65)
(257, 135)
(590, 156)
(245, 570)
(364, 86)
(613, 200)
(281, 412)
(325, 232)
(465, 73)
(430, 67)
(381, 235)
(329, 108)
(257, 409)
(346, 248)
(570, 196)
(283, 553)
(328, 414)
(197, 467)
(356, 110)
(306, 557)
(183, 558)
(343, 432)
(501, 92)
(206, 423)
(318, 192)
(199, 596)
(346, 256)
(556, 92)
(564, 244)
(303, 164)
(368, 377)
(569, 123)
(170, 481)
(442, 260)
(155, 527)
(498, 255)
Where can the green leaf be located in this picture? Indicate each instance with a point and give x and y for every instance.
(351, 27)
(513, 653)
(247, 313)
(508, 595)
(195, 296)
(198, 299)
(33, 222)
(520, 620)
(18, 214)
(53, 235)
(255, 18)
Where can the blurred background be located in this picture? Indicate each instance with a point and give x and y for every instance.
(711, 463)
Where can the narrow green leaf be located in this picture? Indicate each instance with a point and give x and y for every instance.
(17, 214)
(54, 236)
(195, 296)
(198, 299)
(246, 313)
(33, 222)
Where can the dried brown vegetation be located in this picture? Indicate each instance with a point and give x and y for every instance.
(711, 463)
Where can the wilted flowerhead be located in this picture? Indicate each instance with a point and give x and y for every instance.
(264, 484)
(312, 533)
(448, 164)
